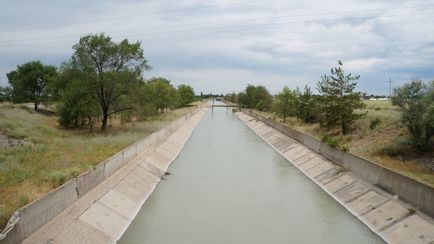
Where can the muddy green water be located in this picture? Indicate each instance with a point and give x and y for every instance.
(228, 186)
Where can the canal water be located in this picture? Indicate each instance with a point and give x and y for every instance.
(228, 186)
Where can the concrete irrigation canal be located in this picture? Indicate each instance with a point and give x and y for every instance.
(229, 186)
(233, 178)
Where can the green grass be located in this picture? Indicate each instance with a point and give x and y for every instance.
(50, 155)
(380, 137)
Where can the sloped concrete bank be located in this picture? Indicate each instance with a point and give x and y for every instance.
(345, 178)
(98, 206)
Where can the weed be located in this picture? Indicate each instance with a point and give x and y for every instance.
(331, 141)
(375, 123)
(56, 178)
(27, 108)
(23, 200)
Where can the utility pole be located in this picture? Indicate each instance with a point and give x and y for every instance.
(390, 87)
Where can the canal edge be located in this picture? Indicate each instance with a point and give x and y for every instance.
(104, 213)
(391, 219)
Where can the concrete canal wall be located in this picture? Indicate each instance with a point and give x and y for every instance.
(98, 205)
(353, 181)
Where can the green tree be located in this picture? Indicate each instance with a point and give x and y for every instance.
(242, 99)
(339, 100)
(163, 94)
(77, 107)
(284, 103)
(307, 105)
(231, 97)
(112, 70)
(5, 94)
(30, 81)
(416, 102)
(186, 94)
(256, 97)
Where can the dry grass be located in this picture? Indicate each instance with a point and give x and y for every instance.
(380, 137)
(51, 155)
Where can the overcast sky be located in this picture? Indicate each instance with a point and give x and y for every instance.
(221, 46)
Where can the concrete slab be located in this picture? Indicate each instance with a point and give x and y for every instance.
(413, 229)
(80, 232)
(275, 138)
(269, 135)
(283, 144)
(302, 153)
(304, 157)
(330, 175)
(171, 147)
(167, 152)
(386, 215)
(291, 146)
(319, 169)
(121, 204)
(132, 192)
(291, 152)
(142, 184)
(158, 160)
(311, 163)
(352, 191)
(105, 220)
(340, 182)
(367, 202)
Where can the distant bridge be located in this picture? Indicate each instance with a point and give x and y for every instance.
(225, 105)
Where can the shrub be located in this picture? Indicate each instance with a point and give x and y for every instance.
(416, 103)
(375, 123)
(331, 141)
(57, 178)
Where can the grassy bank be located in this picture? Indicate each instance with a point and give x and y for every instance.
(45, 156)
(379, 137)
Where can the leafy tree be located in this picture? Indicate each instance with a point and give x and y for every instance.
(111, 70)
(164, 95)
(256, 97)
(416, 102)
(143, 103)
(339, 100)
(29, 82)
(5, 94)
(242, 99)
(306, 105)
(284, 103)
(186, 94)
(231, 97)
(77, 107)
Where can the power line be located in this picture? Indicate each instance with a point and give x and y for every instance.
(126, 16)
(211, 6)
(221, 28)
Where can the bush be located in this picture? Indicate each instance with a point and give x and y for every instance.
(331, 141)
(57, 178)
(416, 103)
(338, 142)
(375, 123)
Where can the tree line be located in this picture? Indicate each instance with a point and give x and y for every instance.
(103, 78)
(337, 105)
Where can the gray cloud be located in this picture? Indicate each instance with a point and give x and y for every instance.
(221, 46)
